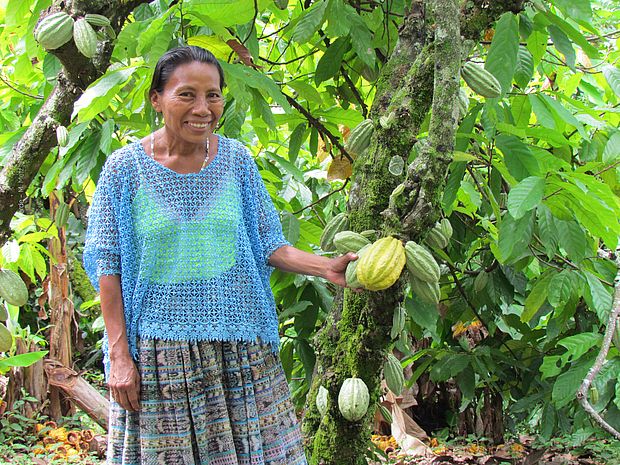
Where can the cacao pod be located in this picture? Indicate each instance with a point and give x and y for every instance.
(97, 20)
(6, 339)
(351, 272)
(594, 397)
(428, 292)
(359, 138)
(4, 315)
(369, 234)
(481, 281)
(353, 399)
(62, 215)
(480, 80)
(380, 266)
(398, 321)
(393, 374)
(12, 288)
(109, 30)
(321, 400)
(62, 136)
(420, 263)
(385, 413)
(54, 30)
(338, 223)
(436, 238)
(463, 103)
(446, 228)
(349, 241)
(85, 38)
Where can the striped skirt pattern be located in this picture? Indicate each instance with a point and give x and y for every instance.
(207, 403)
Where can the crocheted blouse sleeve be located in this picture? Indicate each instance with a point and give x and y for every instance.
(101, 249)
(269, 227)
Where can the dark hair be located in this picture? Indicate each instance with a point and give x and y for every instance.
(176, 57)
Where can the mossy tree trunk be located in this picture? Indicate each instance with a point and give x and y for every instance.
(422, 72)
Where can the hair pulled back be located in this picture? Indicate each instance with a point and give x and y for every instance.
(176, 57)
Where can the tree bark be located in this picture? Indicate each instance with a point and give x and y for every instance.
(356, 336)
(24, 161)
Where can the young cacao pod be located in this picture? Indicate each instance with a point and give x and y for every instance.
(385, 413)
(399, 318)
(436, 238)
(428, 292)
(381, 265)
(446, 228)
(594, 397)
(85, 38)
(393, 374)
(353, 399)
(481, 281)
(338, 223)
(12, 288)
(321, 400)
(421, 263)
(97, 20)
(54, 30)
(463, 103)
(351, 272)
(6, 339)
(369, 234)
(349, 241)
(359, 138)
(62, 136)
(480, 80)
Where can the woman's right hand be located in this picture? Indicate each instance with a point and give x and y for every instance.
(124, 383)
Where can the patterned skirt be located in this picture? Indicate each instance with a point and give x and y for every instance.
(215, 403)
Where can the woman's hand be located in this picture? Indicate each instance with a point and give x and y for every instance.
(337, 267)
(124, 383)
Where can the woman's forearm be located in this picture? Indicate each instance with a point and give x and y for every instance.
(293, 260)
(113, 315)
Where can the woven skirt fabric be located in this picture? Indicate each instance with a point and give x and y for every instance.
(207, 403)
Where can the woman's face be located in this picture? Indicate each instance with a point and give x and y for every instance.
(191, 102)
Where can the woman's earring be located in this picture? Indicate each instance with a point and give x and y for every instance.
(156, 120)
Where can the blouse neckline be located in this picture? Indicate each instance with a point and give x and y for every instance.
(204, 169)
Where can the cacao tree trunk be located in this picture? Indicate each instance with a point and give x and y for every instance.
(355, 338)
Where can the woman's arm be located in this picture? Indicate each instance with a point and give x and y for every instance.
(124, 380)
(288, 258)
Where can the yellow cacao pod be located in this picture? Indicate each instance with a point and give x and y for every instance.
(381, 264)
(54, 30)
(85, 38)
(420, 263)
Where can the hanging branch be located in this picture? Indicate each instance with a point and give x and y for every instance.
(582, 394)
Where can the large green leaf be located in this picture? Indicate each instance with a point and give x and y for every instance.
(563, 44)
(575, 9)
(575, 35)
(518, 157)
(310, 22)
(514, 237)
(578, 345)
(525, 196)
(536, 298)
(502, 58)
(290, 227)
(524, 69)
(612, 74)
(22, 360)
(330, 62)
(598, 296)
(561, 287)
(566, 385)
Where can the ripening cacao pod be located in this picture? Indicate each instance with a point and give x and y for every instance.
(62, 136)
(12, 288)
(380, 266)
(54, 30)
(338, 223)
(420, 263)
(359, 138)
(321, 400)
(353, 399)
(463, 103)
(480, 80)
(6, 339)
(62, 215)
(436, 238)
(428, 292)
(85, 38)
(97, 20)
(393, 374)
(351, 272)
(349, 241)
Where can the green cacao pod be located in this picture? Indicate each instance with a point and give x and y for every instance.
(385, 413)
(85, 38)
(321, 400)
(393, 374)
(480, 80)
(353, 399)
(109, 30)
(62, 136)
(463, 103)
(380, 266)
(420, 263)
(446, 228)
(62, 215)
(12, 288)
(54, 30)
(428, 292)
(481, 281)
(359, 138)
(349, 241)
(399, 319)
(594, 397)
(338, 223)
(4, 315)
(436, 238)
(351, 272)
(6, 339)
(369, 234)
(97, 20)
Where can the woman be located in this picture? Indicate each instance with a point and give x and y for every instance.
(181, 241)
